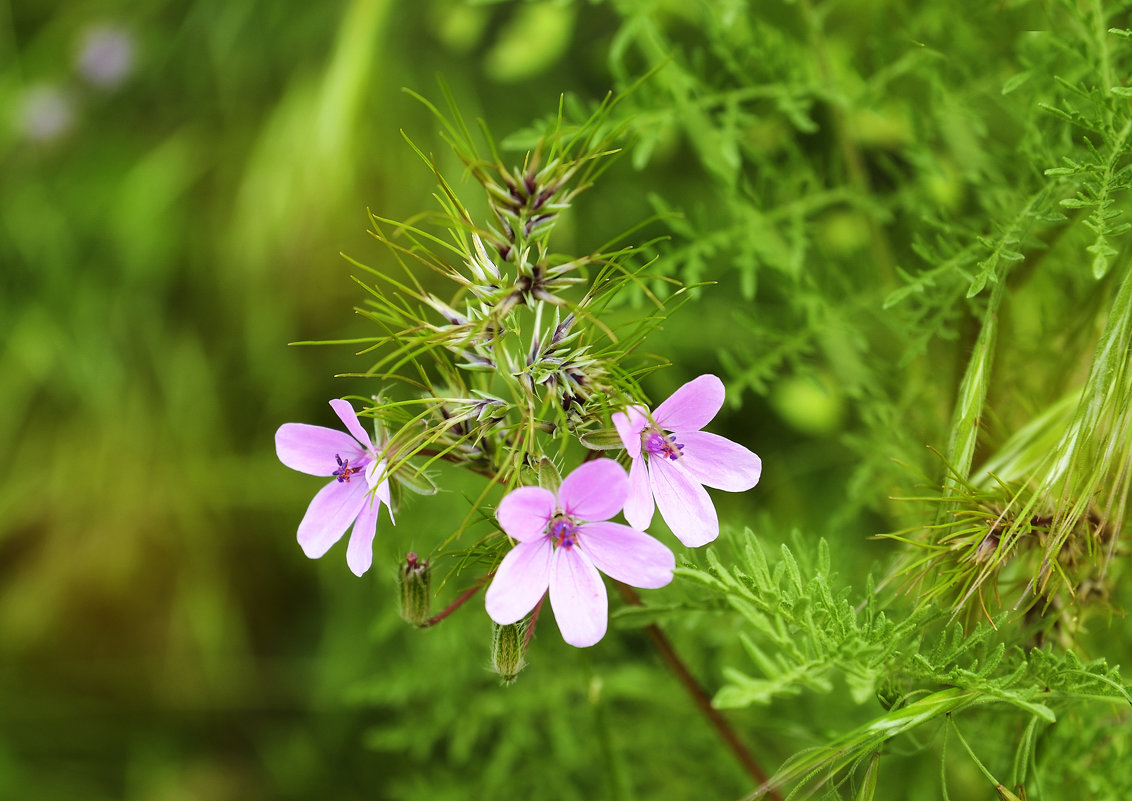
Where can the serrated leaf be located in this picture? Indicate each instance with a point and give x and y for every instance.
(1041, 710)
(756, 563)
(979, 282)
(744, 690)
(791, 566)
(701, 576)
(1101, 248)
(763, 662)
(1100, 266)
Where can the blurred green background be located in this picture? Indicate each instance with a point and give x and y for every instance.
(176, 183)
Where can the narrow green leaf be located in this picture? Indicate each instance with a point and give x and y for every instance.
(1015, 81)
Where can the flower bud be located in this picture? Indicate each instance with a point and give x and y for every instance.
(508, 649)
(415, 593)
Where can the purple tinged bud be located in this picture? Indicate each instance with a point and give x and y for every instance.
(563, 329)
(502, 194)
(538, 293)
(490, 408)
(539, 223)
(544, 196)
(447, 312)
(508, 231)
(476, 363)
(482, 266)
(509, 649)
(416, 596)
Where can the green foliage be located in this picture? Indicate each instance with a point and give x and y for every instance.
(802, 635)
(899, 231)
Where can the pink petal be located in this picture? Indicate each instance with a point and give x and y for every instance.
(383, 493)
(524, 512)
(629, 425)
(718, 462)
(594, 491)
(349, 418)
(359, 552)
(639, 505)
(311, 449)
(627, 555)
(577, 596)
(684, 504)
(520, 580)
(330, 513)
(691, 407)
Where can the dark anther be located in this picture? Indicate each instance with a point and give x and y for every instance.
(344, 470)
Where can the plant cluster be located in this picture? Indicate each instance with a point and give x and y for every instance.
(512, 378)
(949, 272)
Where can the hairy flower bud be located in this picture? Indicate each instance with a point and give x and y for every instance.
(415, 592)
(508, 649)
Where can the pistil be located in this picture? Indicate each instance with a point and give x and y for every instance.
(344, 471)
(563, 532)
(663, 445)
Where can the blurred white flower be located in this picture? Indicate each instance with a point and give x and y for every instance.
(106, 56)
(45, 114)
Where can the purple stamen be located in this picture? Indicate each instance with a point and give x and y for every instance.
(657, 444)
(563, 532)
(344, 471)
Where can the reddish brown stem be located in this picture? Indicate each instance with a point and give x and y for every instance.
(664, 647)
(452, 607)
(531, 625)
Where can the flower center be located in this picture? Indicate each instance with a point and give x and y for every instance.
(563, 532)
(344, 471)
(663, 445)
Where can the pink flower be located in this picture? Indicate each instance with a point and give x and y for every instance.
(672, 461)
(350, 498)
(563, 543)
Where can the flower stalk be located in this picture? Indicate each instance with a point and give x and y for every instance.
(506, 376)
